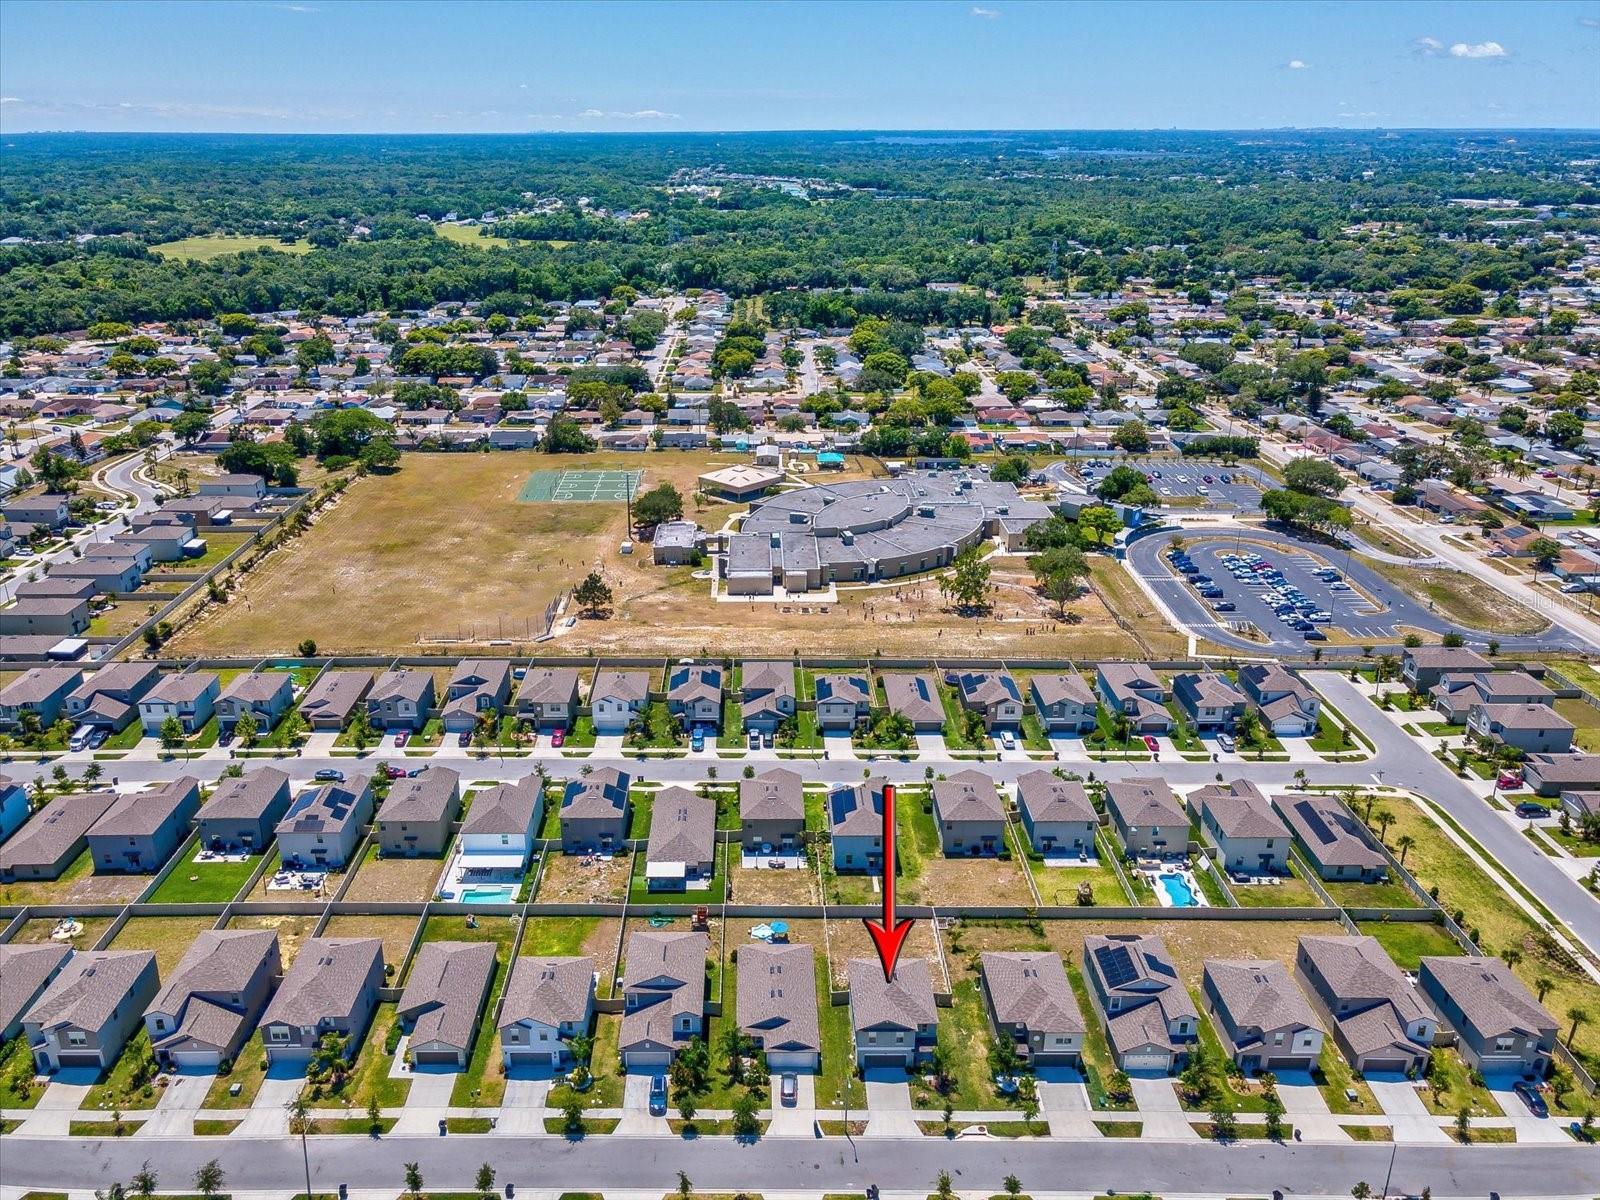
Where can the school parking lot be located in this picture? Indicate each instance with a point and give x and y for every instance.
(1189, 485)
(1361, 606)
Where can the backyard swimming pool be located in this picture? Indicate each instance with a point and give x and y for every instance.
(1175, 888)
(504, 893)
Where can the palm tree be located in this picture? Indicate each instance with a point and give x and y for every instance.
(1542, 986)
(1511, 956)
(1577, 1014)
(1385, 819)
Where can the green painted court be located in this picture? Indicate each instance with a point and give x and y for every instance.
(579, 487)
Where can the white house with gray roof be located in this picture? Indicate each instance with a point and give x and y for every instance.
(1064, 702)
(323, 825)
(617, 699)
(265, 695)
(548, 1002)
(894, 1022)
(189, 697)
(776, 1004)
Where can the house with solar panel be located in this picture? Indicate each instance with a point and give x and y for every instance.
(855, 818)
(1151, 1020)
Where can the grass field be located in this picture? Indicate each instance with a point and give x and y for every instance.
(442, 556)
(468, 235)
(1461, 597)
(215, 245)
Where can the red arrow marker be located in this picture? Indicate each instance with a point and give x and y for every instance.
(889, 936)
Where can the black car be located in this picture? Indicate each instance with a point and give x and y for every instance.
(1529, 808)
(1531, 1097)
(1314, 635)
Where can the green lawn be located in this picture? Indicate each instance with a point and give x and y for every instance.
(369, 1077)
(248, 1072)
(127, 1086)
(1034, 736)
(837, 1082)
(639, 892)
(1450, 1085)
(1409, 942)
(557, 937)
(955, 724)
(1098, 1064)
(964, 1036)
(17, 1089)
(605, 1065)
(484, 1080)
(204, 883)
(205, 247)
(1290, 891)
(640, 802)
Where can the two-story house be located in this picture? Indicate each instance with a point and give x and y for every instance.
(893, 1021)
(1063, 702)
(1378, 1020)
(548, 1002)
(1501, 1030)
(548, 697)
(992, 694)
(1150, 1018)
(767, 696)
(1137, 693)
(332, 990)
(478, 689)
(663, 992)
(1031, 1003)
(969, 815)
(1264, 1021)
(401, 699)
(1250, 837)
(694, 695)
(772, 813)
(212, 999)
(1057, 815)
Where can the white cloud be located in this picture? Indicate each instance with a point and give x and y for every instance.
(1296, 64)
(297, 8)
(10, 99)
(988, 14)
(1589, 22)
(1428, 47)
(1477, 50)
(642, 114)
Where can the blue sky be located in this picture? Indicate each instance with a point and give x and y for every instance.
(326, 66)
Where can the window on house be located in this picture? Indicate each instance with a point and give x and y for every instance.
(77, 1038)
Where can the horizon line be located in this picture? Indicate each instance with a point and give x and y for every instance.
(958, 130)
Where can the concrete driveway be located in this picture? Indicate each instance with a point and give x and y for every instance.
(428, 1101)
(522, 1112)
(62, 1098)
(1159, 1108)
(1529, 1127)
(180, 1100)
(1412, 1122)
(931, 745)
(889, 1111)
(267, 1116)
(799, 1120)
(1064, 1103)
(836, 744)
(1306, 1108)
(636, 1119)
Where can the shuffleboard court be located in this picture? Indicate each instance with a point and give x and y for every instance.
(579, 487)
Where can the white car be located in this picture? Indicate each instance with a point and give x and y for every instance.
(1574, 586)
(1008, 740)
(81, 737)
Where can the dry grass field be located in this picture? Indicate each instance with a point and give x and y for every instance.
(395, 932)
(442, 556)
(394, 878)
(568, 879)
(169, 937)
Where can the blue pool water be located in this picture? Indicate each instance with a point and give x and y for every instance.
(1177, 891)
(489, 894)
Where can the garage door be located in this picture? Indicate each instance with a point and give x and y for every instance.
(1385, 1066)
(530, 1058)
(1291, 1064)
(80, 1058)
(645, 1060)
(791, 1061)
(198, 1059)
(884, 1060)
(1146, 1062)
(436, 1056)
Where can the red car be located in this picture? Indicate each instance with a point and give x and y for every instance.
(395, 772)
(401, 738)
(1509, 780)
(558, 739)
(1151, 745)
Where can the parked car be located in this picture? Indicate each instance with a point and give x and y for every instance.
(1508, 780)
(80, 738)
(697, 740)
(1226, 742)
(401, 738)
(766, 739)
(558, 739)
(1531, 1097)
(658, 1095)
(789, 1089)
(755, 739)
(1151, 744)
(1008, 740)
(1532, 809)
(465, 738)
(329, 775)
(98, 738)
(1225, 606)
(395, 772)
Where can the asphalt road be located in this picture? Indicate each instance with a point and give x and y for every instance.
(1147, 558)
(1403, 763)
(801, 1164)
(1399, 762)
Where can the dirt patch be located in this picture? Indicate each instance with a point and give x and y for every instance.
(37, 932)
(764, 885)
(1462, 597)
(395, 879)
(1192, 942)
(969, 881)
(574, 879)
(848, 938)
(76, 885)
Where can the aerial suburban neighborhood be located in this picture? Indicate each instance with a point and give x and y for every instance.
(623, 662)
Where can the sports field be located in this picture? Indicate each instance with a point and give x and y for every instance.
(446, 556)
(579, 487)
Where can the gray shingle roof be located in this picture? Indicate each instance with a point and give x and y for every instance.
(904, 1002)
(777, 996)
(1330, 832)
(548, 685)
(683, 827)
(54, 829)
(326, 980)
(1030, 988)
(244, 797)
(1047, 798)
(325, 809)
(967, 796)
(424, 799)
(506, 808)
(1239, 809)
(23, 970)
(775, 795)
(400, 685)
(1143, 802)
(602, 793)
(549, 990)
(625, 686)
(183, 688)
(1054, 689)
(90, 986)
(219, 960)
(445, 991)
(915, 697)
(856, 809)
(1256, 994)
(140, 814)
(1357, 969)
(336, 693)
(1489, 996)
